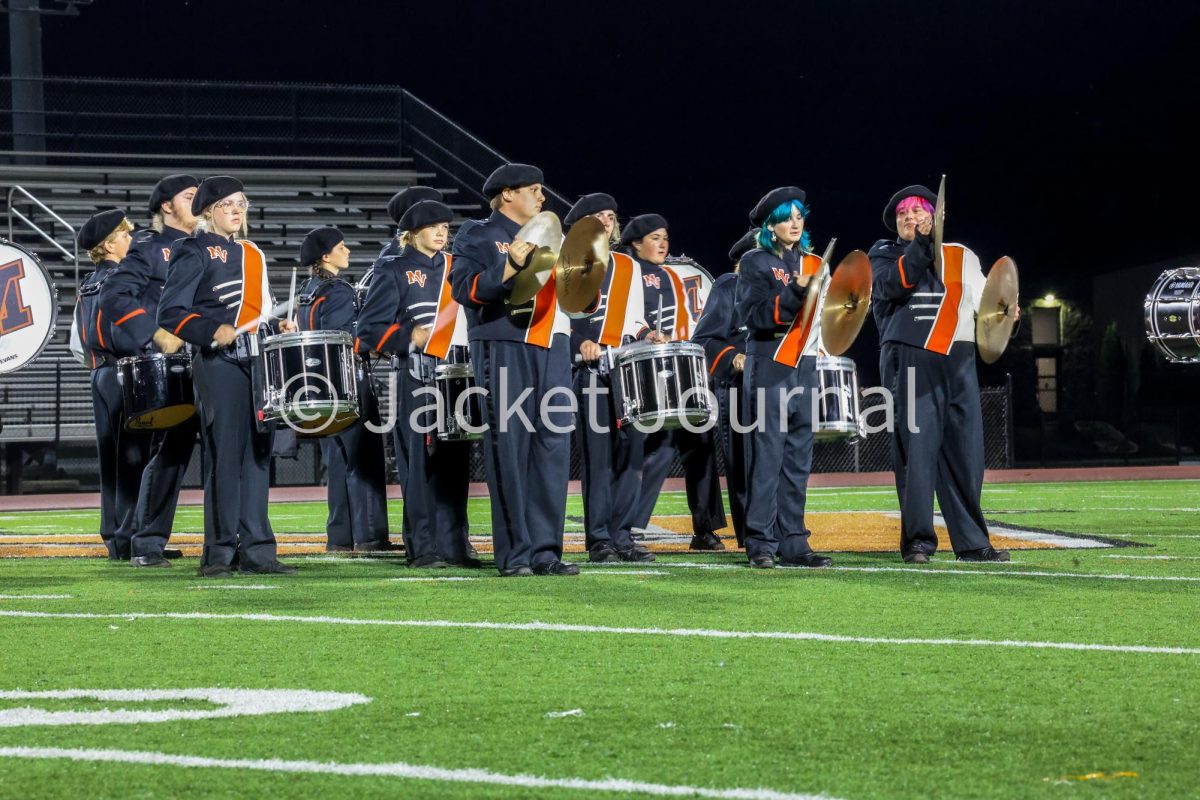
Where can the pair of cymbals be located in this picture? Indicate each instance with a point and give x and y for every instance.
(579, 262)
(846, 303)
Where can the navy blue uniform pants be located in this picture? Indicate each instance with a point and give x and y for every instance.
(527, 469)
(944, 455)
(778, 398)
(158, 495)
(733, 446)
(355, 478)
(237, 461)
(698, 456)
(122, 457)
(611, 468)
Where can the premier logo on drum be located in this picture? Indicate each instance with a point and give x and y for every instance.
(14, 313)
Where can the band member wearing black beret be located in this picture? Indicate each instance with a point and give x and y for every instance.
(647, 239)
(355, 470)
(779, 379)
(611, 456)
(122, 453)
(409, 313)
(515, 348)
(216, 298)
(723, 336)
(926, 322)
(402, 201)
(130, 298)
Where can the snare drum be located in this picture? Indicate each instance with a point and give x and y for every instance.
(837, 400)
(157, 389)
(310, 381)
(662, 385)
(452, 381)
(28, 307)
(1173, 314)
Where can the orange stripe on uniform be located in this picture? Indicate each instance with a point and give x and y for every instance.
(444, 324)
(618, 300)
(185, 321)
(253, 268)
(792, 346)
(312, 313)
(395, 326)
(99, 329)
(713, 369)
(136, 312)
(541, 327)
(904, 278)
(682, 319)
(942, 334)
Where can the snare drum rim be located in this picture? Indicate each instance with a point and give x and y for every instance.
(640, 351)
(280, 341)
(836, 363)
(453, 371)
(153, 357)
(53, 288)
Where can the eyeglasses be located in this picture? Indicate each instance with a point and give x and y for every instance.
(229, 205)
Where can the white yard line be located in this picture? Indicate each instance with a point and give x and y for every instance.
(446, 579)
(248, 586)
(549, 627)
(1158, 558)
(400, 770)
(982, 569)
(35, 596)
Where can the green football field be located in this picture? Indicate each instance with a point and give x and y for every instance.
(1067, 673)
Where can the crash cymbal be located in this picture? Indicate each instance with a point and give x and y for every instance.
(545, 231)
(997, 310)
(846, 303)
(582, 264)
(939, 226)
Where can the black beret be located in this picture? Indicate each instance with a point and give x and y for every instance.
(426, 212)
(99, 226)
(640, 226)
(743, 245)
(404, 199)
(590, 204)
(319, 242)
(168, 187)
(916, 190)
(511, 176)
(213, 189)
(772, 200)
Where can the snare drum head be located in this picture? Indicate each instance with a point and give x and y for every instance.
(28, 307)
(303, 338)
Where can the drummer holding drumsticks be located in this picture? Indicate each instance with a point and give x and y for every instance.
(215, 298)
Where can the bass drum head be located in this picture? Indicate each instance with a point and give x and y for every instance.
(161, 418)
(1173, 315)
(28, 307)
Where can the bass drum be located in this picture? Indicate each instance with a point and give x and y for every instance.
(1173, 314)
(28, 307)
(157, 389)
(696, 281)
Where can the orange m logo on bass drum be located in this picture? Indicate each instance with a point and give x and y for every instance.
(14, 314)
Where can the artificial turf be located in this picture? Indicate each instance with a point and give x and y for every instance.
(849, 719)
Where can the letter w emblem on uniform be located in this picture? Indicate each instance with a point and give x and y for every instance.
(416, 277)
(218, 252)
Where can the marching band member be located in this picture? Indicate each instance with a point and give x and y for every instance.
(215, 298)
(926, 324)
(409, 311)
(130, 298)
(723, 336)
(611, 455)
(122, 453)
(355, 469)
(402, 201)
(781, 350)
(647, 239)
(520, 353)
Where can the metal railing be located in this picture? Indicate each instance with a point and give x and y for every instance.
(13, 212)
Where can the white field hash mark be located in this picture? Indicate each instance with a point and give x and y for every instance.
(35, 597)
(550, 627)
(401, 770)
(230, 702)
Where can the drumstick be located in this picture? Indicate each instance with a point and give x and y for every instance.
(254, 323)
(658, 319)
(292, 298)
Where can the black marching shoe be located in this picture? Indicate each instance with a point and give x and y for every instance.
(810, 560)
(516, 572)
(375, 548)
(762, 562)
(428, 562)
(706, 541)
(152, 560)
(983, 554)
(468, 562)
(172, 553)
(471, 551)
(339, 548)
(555, 568)
(916, 557)
(269, 568)
(603, 552)
(636, 553)
(215, 571)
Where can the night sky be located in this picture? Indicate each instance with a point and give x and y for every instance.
(1067, 130)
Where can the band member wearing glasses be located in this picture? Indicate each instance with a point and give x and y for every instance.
(130, 298)
(926, 321)
(216, 298)
(354, 461)
(515, 348)
(781, 367)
